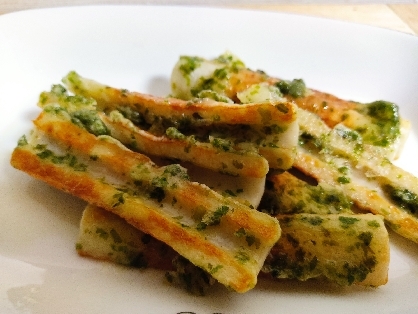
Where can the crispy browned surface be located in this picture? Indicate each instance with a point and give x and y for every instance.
(328, 107)
(195, 245)
(364, 198)
(209, 111)
(369, 174)
(253, 165)
(306, 250)
(100, 194)
(252, 148)
(243, 79)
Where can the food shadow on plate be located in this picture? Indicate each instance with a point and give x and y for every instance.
(313, 286)
(159, 86)
(404, 247)
(64, 207)
(267, 285)
(32, 113)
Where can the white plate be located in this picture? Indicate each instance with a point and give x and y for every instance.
(136, 47)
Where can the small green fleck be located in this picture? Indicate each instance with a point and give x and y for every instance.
(222, 144)
(252, 240)
(212, 219)
(189, 64)
(102, 233)
(115, 236)
(22, 141)
(242, 257)
(173, 133)
(282, 108)
(237, 164)
(366, 238)
(295, 88)
(45, 154)
(314, 221)
(343, 180)
(346, 222)
(373, 224)
(240, 232)
(176, 170)
(404, 198)
(212, 269)
(343, 170)
(120, 199)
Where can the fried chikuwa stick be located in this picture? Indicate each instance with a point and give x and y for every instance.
(233, 138)
(198, 223)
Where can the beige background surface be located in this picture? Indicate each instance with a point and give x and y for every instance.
(397, 16)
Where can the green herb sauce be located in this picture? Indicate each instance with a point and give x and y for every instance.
(404, 198)
(295, 88)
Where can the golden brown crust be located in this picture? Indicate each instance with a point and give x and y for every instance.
(73, 183)
(328, 107)
(256, 135)
(204, 155)
(364, 198)
(196, 245)
(160, 227)
(209, 111)
(311, 246)
(243, 79)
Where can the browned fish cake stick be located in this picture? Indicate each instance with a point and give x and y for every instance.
(197, 222)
